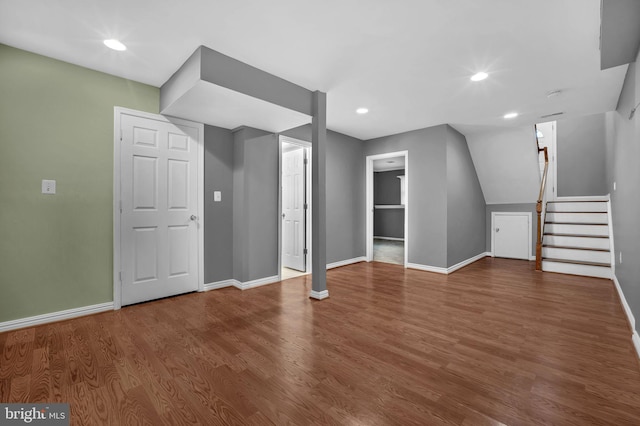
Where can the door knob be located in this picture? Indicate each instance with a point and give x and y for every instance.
(193, 217)
(497, 229)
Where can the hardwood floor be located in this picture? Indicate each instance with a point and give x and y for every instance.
(494, 343)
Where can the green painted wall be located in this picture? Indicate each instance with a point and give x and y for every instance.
(56, 122)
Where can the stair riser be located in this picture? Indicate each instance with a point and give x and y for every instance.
(585, 270)
(579, 255)
(577, 207)
(595, 243)
(577, 217)
(598, 230)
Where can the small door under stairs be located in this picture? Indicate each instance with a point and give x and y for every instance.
(576, 238)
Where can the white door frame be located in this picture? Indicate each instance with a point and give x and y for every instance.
(306, 145)
(369, 204)
(117, 137)
(530, 230)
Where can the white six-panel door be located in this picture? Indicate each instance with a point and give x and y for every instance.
(158, 208)
(293, 213)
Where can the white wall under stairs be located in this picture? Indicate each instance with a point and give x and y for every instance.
(576, 238)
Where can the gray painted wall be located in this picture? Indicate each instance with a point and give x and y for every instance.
(386, 187)
(218, 216)
(513, 208)
(388, 223)
(386, 190)
(581, 156)
(427, 181)
(465, 202)
(261, 206)
(345, 194)
(439, 163)
(623, 158)
(255, 204)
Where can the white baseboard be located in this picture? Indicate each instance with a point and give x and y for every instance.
(256, 283)
(625, 305)
(55, 316)
(346, 262)
(450, 269)
(319, 295)
(388, 238)
(636, 342)
(220, 284)
(635, 338)
(469, 261)
(436, 269)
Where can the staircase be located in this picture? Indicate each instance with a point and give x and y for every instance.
(576, 238)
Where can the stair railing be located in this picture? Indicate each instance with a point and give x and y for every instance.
(543, 185)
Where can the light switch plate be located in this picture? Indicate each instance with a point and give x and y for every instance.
(48, 186)
(217, 196)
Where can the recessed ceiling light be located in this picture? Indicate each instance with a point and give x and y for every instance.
(511, 115)
(362, 110)
(553, 93)
(479, 76)
(115, 45)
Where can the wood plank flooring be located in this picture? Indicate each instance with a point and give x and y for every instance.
(494, 343)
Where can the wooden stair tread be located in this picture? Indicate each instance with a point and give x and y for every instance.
(577, 201)
(576, 262)
(577, 235)
(574, 248)
(577, 223)
(576, 212)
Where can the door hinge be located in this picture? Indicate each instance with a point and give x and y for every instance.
(306, 206)
(121, 134)
(120, 206)
(120, 276)
(304, 251)
(306, 161)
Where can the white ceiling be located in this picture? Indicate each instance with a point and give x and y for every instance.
(408, 61)
(386, 164)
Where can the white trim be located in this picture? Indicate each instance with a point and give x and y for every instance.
(469, 261)
(256, 283)
(118, 112)
(532, 258)
(346, 262)
(220, 284)
(319, 295)
(307, 147)
(375, 237)
(369, 207)
(625, 305)
(635, 338)
(55, 316)
(530, 255)
(612, 249)
(436, 269)
(450, 269)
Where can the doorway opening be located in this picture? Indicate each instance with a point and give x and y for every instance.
(387, 208)
(295, 208)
